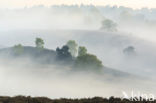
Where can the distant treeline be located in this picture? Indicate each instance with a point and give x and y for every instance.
(23, 99)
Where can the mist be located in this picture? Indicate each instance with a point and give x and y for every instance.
(58, 24)
(25, 77)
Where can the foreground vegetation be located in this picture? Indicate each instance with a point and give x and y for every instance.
(23, 99)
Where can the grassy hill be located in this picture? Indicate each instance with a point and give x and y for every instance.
(44, 55)
(47, 56)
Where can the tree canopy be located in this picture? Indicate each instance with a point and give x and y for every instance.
(88, 61)
(109, 25)
(130, 50)
(72, 47)
(63, 53)
(82, 51)
(18, 49)
(39, 43)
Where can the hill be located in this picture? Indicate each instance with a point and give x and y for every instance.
(45, 55)
(49, 57)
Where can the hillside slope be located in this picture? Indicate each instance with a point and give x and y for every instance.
(48, 57)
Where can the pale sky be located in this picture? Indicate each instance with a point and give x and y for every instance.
(28, 3)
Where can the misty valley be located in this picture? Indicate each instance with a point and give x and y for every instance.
(91, 54)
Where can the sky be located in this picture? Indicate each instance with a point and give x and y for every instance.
(135, 4)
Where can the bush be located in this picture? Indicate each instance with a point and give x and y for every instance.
(88, 61)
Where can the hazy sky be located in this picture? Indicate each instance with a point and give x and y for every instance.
(29, 3)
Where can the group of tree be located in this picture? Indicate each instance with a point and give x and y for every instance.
(86, 60)
(68, 53)
(79, 55)
(19, 49)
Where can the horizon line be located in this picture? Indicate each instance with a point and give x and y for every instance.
(79, 5)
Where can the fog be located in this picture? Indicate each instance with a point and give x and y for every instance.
(107, 46)
(58, 24)
(23, 77)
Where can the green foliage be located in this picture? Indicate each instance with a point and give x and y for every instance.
(82, 61)
(39, 43)
(72, 47)
(63, 53)
(18, 49)
(82, 51)
(88, 61)
(109, 25)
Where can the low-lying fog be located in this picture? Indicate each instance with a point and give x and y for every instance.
(57, 25)
(23, 77)
(108, 47)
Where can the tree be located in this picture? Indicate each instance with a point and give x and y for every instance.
(109, 25)
(130, 50)
(63, 53)
(82, 51)
(72, 47)
(18, 49)
(39, 43)
(88, 61)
